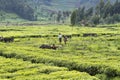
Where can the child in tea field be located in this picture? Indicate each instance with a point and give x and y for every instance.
(65, 39)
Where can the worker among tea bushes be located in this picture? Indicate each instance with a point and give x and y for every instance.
(65, 39)
(60, 38)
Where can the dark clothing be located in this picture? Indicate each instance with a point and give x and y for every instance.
(65, 39)
(60, 40)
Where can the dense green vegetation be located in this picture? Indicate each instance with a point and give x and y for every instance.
(19, 7)
(103, 13)
(93, 53)
(42, 10)
(84, 57)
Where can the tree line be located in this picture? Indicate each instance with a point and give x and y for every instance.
(103, 13)
(19, 7)
(59, 16)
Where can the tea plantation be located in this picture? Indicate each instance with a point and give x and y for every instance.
(93, 53)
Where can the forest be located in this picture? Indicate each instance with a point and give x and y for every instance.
(103, 13)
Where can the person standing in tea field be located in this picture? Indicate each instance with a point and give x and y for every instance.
(60, 38)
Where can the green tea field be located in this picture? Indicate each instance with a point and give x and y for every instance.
(92, 53)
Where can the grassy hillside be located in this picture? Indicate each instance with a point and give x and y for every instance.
(42, 8)
(10, 17)
(82, 58)
(21, 8)
(70, 4)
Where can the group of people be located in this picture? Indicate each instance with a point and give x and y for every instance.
(60, 37)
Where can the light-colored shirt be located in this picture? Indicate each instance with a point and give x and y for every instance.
(59, 36)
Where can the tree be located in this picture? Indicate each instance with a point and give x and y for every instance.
(73, 17)
(107, 9)
(95, 19)
(116, 17)
(116, 8)
(89, 12)
(80, 14)
(59, 15)
(100, 8)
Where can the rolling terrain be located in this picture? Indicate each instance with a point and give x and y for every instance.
(84, 57)
(92, 52)
(41, 9)
(68, 4)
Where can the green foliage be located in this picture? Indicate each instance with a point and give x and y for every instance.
(48, 10)
(18, 7)
(81, 57)
(104, 12)
(95, 19)
(73, 18)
